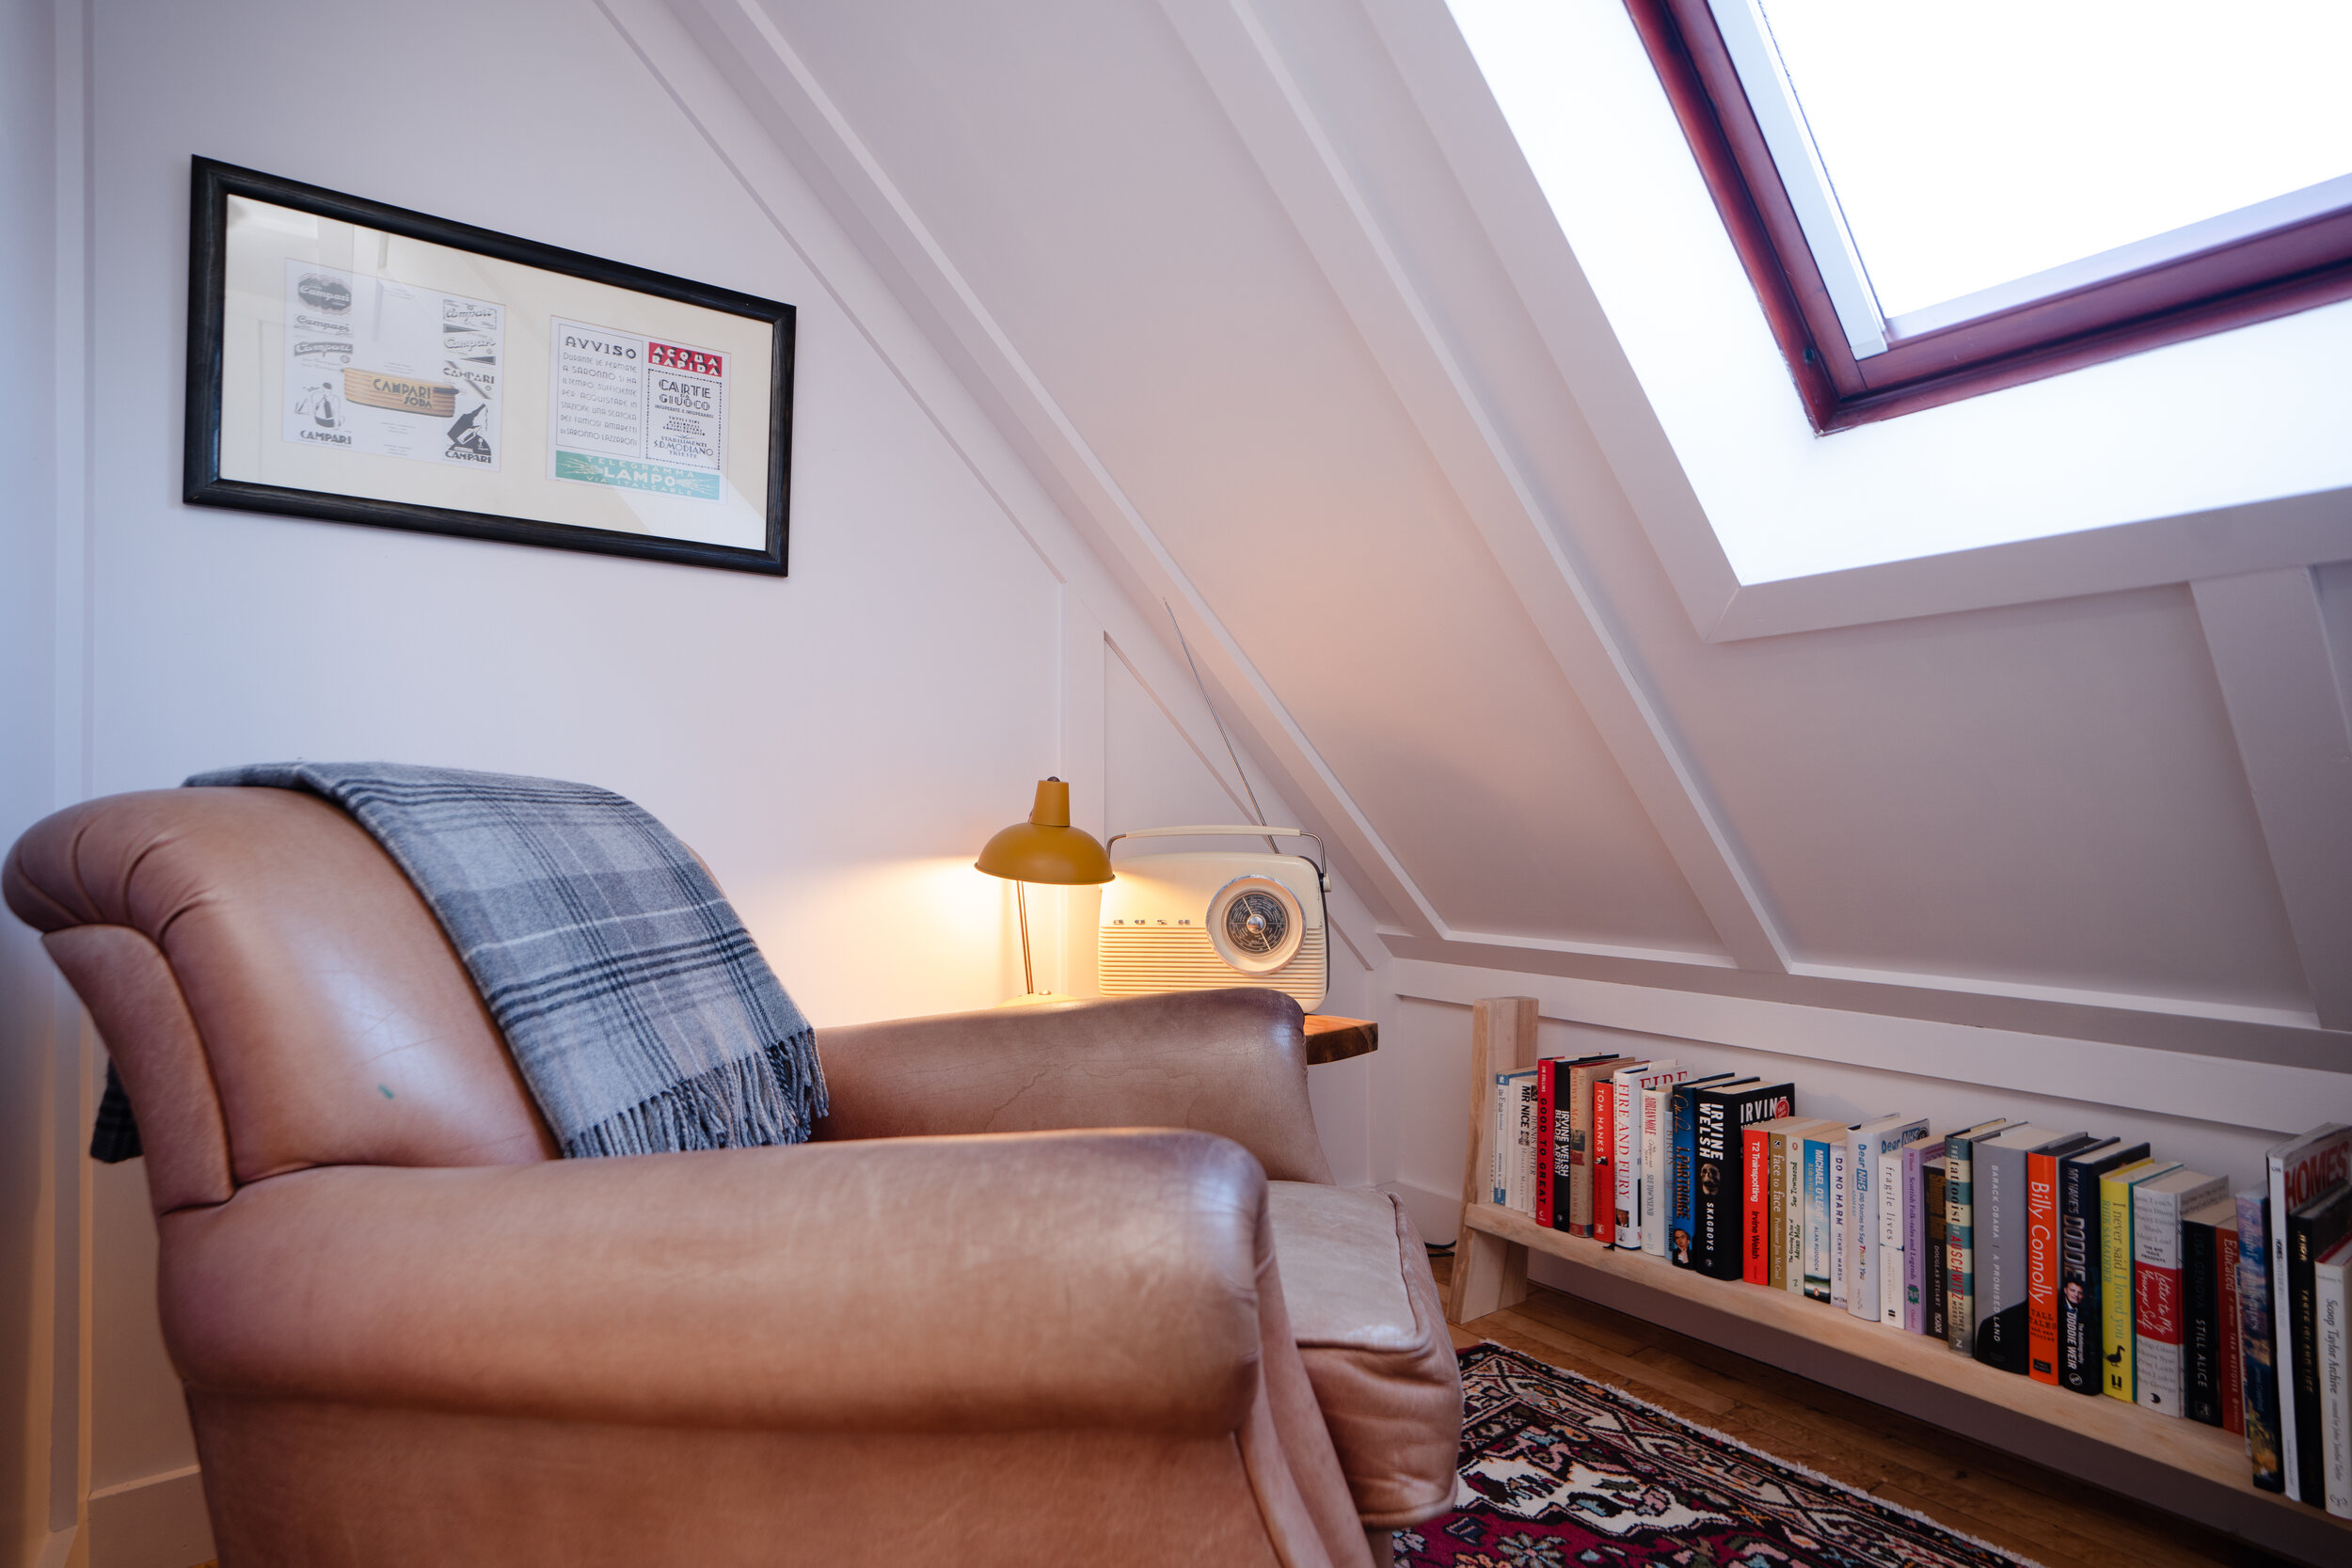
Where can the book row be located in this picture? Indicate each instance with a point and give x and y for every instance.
(2085, 1262)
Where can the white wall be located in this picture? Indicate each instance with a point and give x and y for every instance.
(838, 744)
(29, 1281)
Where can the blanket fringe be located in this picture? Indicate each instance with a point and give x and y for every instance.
(773, 1096)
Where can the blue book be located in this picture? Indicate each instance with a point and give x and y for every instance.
(2254, 1339)
(1681, 1169)
(1817, 1258)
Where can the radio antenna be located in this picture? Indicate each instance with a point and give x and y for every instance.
(1257, 813)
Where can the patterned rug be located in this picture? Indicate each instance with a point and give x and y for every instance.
(1560, 1471)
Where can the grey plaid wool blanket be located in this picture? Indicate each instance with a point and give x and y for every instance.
(638, 1011)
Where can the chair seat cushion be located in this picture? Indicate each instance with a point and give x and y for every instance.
(1364, 1310)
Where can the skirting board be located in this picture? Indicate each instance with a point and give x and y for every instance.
(2304, 1534)
(158, 1522)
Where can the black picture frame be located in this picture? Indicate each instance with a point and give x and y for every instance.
(214, 182)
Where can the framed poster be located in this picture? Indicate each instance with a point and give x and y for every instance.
(366, 364)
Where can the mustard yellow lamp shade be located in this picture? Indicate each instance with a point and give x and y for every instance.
(1046, 848)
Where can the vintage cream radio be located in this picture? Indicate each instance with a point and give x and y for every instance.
(1207, 920)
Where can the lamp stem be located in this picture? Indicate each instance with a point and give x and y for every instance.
(1020, 897)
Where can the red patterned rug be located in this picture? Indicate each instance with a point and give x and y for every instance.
(1559, 1471)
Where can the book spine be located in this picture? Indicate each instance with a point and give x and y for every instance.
(1862, 1229)
(2156, 1300)
(2309, 1467)
(1932, 1179)
(1563, 1146)
(1710, 1164)
(1840, 1200)
(2041, 1268)
(2001, 1234)
(1498, 1141)
(1755, 1260)
(1546, 1071)
(1624, 1128)
(1580, 1146)
(2231, 1367)
(1914, 1238)
(1960, 1275)
(1776, 1211)
(1657, 1135)
(2201, 1304)
(2282, 1352)
(2261, 1378)
(1681, 1254)
(2079, 1278)
(1816, 1280)
(1523, 1125)
(1890, 1259)
(2117, 1349)
(1604, 1177)
(1796, 1216)
(2336, 1420)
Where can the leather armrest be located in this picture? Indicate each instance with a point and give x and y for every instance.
(933, 1285)
(1230, 1062)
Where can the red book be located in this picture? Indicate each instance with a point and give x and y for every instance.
(2232, 1364)
(2041, 1268)
(1604, 1141)
(1755, 1200)
(1546, 1073)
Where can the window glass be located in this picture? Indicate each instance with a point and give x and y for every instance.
(1970, 145)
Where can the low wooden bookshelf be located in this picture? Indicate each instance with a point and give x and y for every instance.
(2176, 1465)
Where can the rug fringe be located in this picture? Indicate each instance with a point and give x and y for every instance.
(1805, 1470)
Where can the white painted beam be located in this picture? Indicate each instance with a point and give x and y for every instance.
(2265, 1095)
(1295, 147)
(2280, 681)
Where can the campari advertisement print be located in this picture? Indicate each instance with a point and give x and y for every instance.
(362, 363)
(637, 413)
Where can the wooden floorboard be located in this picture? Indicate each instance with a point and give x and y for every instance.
(2024, 1508)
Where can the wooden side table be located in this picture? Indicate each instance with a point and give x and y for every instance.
(1333, 1039)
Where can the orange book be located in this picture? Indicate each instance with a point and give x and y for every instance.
(2042, 1267)
(1755, 1200)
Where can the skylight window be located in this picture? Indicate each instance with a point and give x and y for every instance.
(1934, 200)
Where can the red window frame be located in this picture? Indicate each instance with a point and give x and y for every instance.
(2271, 273)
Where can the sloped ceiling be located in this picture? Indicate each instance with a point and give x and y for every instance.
(1232, 307)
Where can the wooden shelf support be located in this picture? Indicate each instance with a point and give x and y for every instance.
(1490, 1272)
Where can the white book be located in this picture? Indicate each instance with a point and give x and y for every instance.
(1838, 1153)
(1498, 1143)
(1518, 1177)
(1531, 1140)
(1870, 1142)
(1625, 1172)
(2335, 1378)
(2297, 1169)
(1630, 1083)
(1657, 1139)
(1891, 1262)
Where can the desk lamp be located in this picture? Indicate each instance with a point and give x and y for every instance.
(1047, 849)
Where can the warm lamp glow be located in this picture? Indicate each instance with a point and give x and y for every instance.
(1045, 849)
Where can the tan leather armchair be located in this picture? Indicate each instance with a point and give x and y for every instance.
(1065, 1284)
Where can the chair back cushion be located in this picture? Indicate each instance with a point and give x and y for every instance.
(338, 1025)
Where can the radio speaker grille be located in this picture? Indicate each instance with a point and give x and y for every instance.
(1141, 960)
